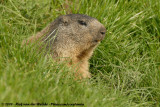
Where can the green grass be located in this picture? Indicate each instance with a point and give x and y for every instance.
(125, 66)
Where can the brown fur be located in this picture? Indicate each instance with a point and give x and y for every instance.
(75, 37)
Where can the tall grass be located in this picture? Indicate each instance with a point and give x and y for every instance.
(125, 67)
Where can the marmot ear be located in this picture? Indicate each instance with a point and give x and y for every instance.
(64, 20)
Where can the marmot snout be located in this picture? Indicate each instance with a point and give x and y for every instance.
(74, 36)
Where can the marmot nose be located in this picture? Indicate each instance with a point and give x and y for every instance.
(102, 32)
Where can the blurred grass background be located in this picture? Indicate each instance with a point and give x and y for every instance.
(125, 67)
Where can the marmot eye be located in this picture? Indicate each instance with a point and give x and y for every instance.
(82, 22)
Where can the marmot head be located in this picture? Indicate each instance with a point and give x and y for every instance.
(73, 36)
(77, 30)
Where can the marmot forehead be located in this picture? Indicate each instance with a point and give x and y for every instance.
(74, 17)
(79, 16)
